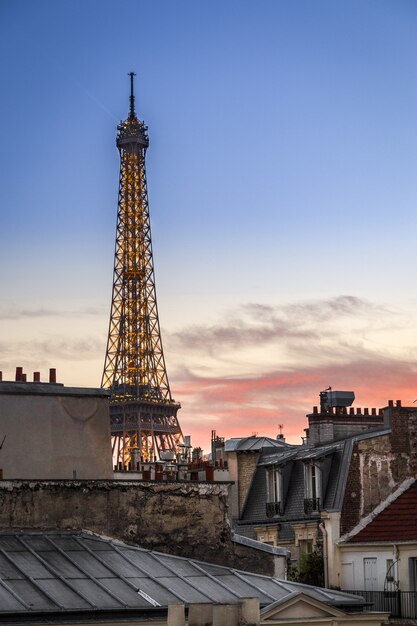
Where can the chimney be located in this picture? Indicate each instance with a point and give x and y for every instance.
(52, 375)
(36, 377)
(19, 374)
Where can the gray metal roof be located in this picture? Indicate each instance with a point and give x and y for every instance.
(60, 572)
(260, 545)
(254, 444)
(301, 453)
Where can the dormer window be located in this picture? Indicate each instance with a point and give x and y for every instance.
(274, 492)
(312, 492)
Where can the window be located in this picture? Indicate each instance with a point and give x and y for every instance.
(274, 486)
(274, 492)
(412, 564)
(312, 488)
(390, 571)
(306, 546)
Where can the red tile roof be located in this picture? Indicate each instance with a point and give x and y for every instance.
(398, 522)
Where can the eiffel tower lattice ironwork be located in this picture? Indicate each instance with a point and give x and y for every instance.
(144, 424)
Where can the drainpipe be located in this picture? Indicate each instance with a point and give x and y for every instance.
(397, 569)
(325, 559)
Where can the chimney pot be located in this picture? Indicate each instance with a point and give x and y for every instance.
(366, 411)
(315, 410)
(359, 411)
(373, 411)
(390, 403)
(1, 376)
(52, 375)
(36, 377)
(351, 411)
(23, 378)
(398, 403)
(19, 373)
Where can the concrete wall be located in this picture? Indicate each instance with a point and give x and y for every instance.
(186, 519)
(353, 568)
(54, 432)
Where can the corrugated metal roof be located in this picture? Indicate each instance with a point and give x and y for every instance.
(52, 572)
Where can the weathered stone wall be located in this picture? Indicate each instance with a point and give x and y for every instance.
(379, 465)
(247, 462)
(185, 519)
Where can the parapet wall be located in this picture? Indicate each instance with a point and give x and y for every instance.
(185, 519)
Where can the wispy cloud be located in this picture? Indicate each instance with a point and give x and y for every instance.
(57, 348)
(16, 314)
(254, 324)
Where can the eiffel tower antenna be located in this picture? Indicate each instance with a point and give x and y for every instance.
(132, 113)
(143, 415)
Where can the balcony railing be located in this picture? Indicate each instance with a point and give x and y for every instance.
(311, 505)
(402, 604)
(273, 508)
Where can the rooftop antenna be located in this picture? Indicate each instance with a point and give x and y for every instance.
(132, 113)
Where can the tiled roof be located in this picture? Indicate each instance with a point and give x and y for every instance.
(398, 522)
(57, 573)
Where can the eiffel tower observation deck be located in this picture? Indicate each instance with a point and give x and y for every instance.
(143, 414)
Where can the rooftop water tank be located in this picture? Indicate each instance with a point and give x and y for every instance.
(340, 398)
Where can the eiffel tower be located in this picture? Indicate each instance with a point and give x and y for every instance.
(144, 424)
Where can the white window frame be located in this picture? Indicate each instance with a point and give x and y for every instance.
(274, 485)
(312, 473)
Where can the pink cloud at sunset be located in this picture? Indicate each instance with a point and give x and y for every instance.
(263, 365)
(237, 407)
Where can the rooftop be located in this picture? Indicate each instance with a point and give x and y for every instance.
(254, 444)
(49, 573)
(397, 522)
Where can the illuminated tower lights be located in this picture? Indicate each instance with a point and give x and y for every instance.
(144, 424)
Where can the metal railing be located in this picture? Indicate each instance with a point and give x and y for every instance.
(273, 508)
(311, 505)
(401, 604)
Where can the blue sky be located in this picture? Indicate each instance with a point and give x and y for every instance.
(282, 183)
